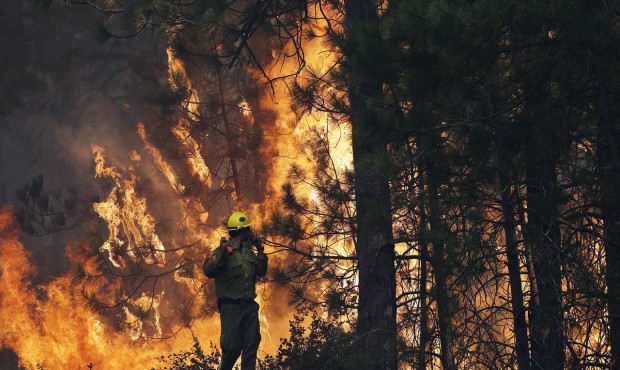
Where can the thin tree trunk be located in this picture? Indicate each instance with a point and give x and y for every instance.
(424, 332)
(376, 325)
(423, 276)
(531, 274)
(547, 319)
(440, 271)
(514, 275)
(438, 256)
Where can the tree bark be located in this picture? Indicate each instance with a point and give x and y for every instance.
(514, 276)
(547, 318)
(424, 332)
(376, 325)
(440, 271)
(423, 275)
(438, 240)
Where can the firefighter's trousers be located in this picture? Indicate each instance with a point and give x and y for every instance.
(240, 333)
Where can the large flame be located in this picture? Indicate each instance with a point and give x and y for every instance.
(124, 210)
(52, 325)
(161, 164)
(179, 80)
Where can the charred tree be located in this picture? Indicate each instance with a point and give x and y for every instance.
(438, 255)
(423, 278)
(542, 229)
(376, 325)
(514, 275)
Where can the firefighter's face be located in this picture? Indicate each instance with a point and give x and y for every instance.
(245, 234)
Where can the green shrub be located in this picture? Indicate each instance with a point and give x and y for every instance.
(321, 345)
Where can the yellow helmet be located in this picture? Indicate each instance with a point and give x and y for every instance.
(237, 221)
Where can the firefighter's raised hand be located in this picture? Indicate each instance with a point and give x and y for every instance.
(256, 241)
(225, 246)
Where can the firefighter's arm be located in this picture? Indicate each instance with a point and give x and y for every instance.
(214, 265)
(261, 266)
(261, 257)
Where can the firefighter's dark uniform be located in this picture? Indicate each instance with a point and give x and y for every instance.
(235, 276)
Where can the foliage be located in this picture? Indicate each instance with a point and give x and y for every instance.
(193, 359)
(317, 344)
(322, 345)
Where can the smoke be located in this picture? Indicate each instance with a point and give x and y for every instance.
(56, 102)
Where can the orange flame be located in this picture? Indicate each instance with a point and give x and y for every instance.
(131, 216)
(160, 162)
(52, 326)
(179, 80)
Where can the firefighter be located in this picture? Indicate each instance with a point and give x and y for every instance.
(235, 267)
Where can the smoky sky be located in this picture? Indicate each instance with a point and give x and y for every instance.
(63, 89)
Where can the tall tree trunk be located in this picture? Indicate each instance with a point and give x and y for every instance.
(440, 272)
(514, 275)
(438, 257)
(376, 325)
(608, 156)
(423, 275)
(527, 247)
(547, 319)
(424, 332)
